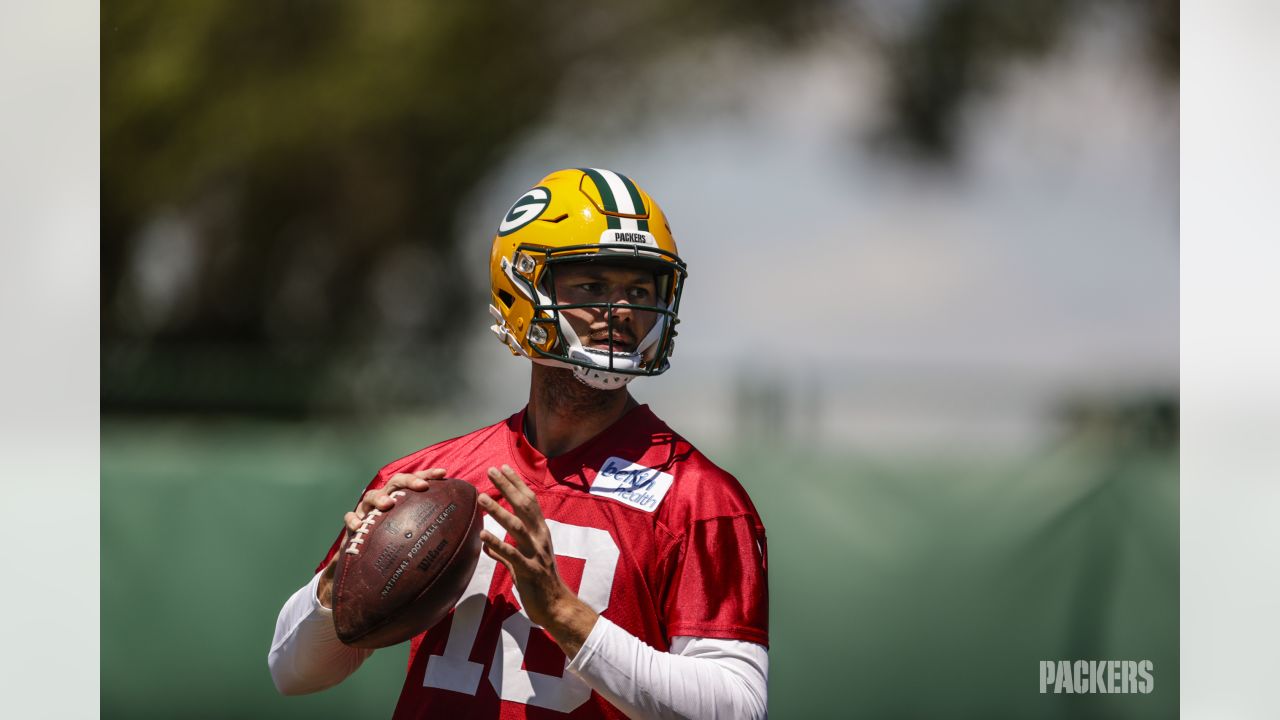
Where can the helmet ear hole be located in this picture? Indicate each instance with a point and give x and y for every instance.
(506, 298)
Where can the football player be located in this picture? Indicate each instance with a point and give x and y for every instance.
(623, 574)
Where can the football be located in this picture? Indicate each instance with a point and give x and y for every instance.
(406, 568)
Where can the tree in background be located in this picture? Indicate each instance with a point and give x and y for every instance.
(282, 181)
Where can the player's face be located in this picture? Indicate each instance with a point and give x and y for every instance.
(597, 283)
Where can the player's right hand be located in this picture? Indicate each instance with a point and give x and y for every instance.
(379, 499)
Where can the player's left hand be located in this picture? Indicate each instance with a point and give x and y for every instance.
(531, 560)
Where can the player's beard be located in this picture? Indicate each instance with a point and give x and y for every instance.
(558, 391)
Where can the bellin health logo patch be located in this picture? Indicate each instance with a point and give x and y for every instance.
(631, 483)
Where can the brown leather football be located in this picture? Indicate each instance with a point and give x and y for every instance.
(406, 568)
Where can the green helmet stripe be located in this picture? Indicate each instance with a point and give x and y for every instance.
(636, 201)
(606, 196)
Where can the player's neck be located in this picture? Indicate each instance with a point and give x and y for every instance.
(564, 413)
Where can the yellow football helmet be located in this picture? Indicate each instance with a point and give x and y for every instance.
(572, 216)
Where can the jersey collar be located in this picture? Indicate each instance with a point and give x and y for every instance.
(537, 468)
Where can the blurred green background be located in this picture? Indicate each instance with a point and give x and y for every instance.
(899, 588)
(931, 321)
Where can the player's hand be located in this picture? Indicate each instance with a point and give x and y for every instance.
(382, 500)
(531, 560)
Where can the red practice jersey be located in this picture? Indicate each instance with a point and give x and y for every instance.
(647, 531)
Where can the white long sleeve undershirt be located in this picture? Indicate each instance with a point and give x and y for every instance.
(708, 678)
(306, 655)
(699, 678)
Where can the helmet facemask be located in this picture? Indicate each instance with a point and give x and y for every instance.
(552, 337)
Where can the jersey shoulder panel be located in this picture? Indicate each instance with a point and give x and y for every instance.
(700, 490)
(703, 491)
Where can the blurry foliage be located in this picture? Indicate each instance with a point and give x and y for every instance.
(956, 49)
(1147, 423)
(281, 180)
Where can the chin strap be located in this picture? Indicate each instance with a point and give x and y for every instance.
(597, 377)
(601, 380)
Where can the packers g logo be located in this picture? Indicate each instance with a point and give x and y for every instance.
(526, 210)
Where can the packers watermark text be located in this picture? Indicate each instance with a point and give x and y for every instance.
(1096, 676)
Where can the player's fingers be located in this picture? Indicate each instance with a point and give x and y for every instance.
(367, 498)
(528, 503)
(497, 557)
(366, 503)
(378, 497)
(387, 500)
(358, 518)
(518, 482)
(352, 521)
(522, 501)
(503, 484)
(413, 481)
(513, 525)
(500, 551)
(501, 514)
(381, 499)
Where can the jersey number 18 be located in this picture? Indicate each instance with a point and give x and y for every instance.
(454, 670)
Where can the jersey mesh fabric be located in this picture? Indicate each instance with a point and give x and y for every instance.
(696, 565)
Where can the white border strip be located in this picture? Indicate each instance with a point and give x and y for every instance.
(1230, 502)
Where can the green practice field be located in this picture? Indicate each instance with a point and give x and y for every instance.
(900, 587)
